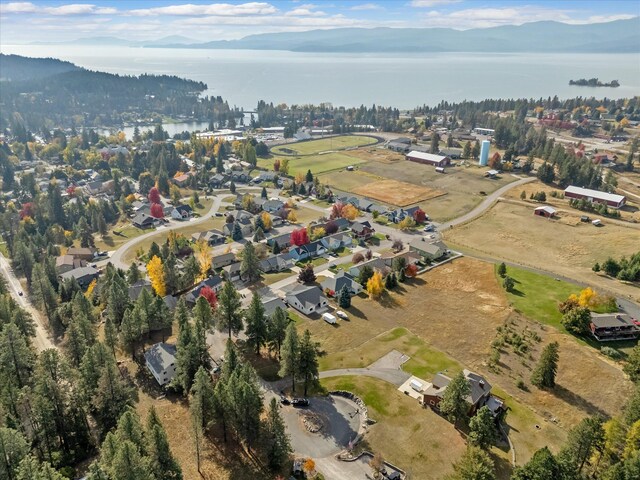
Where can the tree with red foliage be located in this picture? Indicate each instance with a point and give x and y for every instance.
(299, 237)
(419, 216)
(154, 195)
(494, 161)
(411, 270)
(27, 210)
(276, 165)
(336, 210)
(208, 293)
(306, 274)
(331, 227)
(157, 211)
(71, 191)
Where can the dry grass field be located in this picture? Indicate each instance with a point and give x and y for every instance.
(414, 438)
(451, 314)
(564, 246)
(397, 193)
(323, 145)
(376, 154)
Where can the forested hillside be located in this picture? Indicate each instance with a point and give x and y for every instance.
(48, 91)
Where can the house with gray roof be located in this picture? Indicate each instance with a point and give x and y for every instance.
(307, 299)
(283, 240)
(339, 281)
(161, 362)
(223, 260)
(214, 282)
(428, 251)
(212, 237)
(64, 263)
(277, 263)
(136, 289)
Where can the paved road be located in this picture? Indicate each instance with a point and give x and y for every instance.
(116, 256)
(42, 340)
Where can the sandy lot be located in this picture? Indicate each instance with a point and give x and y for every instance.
(397, 193)
(565, 246)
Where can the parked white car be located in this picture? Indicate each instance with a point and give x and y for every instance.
(327, 317)
(342, 315)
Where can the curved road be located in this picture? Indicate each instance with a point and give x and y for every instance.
(116, 257)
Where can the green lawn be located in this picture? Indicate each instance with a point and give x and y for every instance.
(270, 278)
(316, 163)
(112, 241)
(537, 296)
(324, 145)
(425, 361)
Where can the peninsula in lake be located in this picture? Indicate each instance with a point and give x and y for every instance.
(594, 82)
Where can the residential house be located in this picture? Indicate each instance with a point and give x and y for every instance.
(339, 281)
(606, 327)
(336, 241)
(240, 177)
(479, 393)
(310, 250)
(283, 240)
(181, 212)
(276, 263)
(83, 253)
(276, 221)
(161, 362)
(223, 260)
(272, 206)
(362, 230)
(98, 186)
(137, 205)
(378, 264)
(64, 263)
(307, 299)
(212, 237)
(214, 282)
(246, 229)
(136, 289)
(242, 217)
(271, 303)
(182, 180)
(231, 272)
(143, 220)
(428, 251)
(83, 275)
(396, 216)
(218, 180)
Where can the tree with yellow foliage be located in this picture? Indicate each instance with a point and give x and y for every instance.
(350, 212)
(299, 177)
(407, 223)
(266, 221)
(174, 193)
(375, 286)
(292, 217)
(156, 275)
(203, 256)
(309, 466)
(316, 233)
(90, 288)
(632, 443)
(284, 166)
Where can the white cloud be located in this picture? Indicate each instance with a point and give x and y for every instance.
(431, 3)
(307, 10)
(601, 19)
(221, 9)
(366, 6)
(18, 7)
(284, 21)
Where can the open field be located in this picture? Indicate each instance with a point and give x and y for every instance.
(306, 215)
(452, 314)
(311, 147)
(376, 154)
(564, 246)
(398, 193)
(463, 185)
(316, 163)
(111, 241)
(162, 234)
(407, 435)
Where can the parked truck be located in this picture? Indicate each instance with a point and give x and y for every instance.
(327, 317)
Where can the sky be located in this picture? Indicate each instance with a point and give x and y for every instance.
(201, 21)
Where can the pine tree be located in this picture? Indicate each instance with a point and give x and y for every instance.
(112, 395)
(289, 355)
(278, 446)
(187, 354)
(256, 325)
(133, 273)
(31, 468)
(117, 298)
(344, 299)
(43, 292)
(475, 464)
(236, 233)
(483, 432)
(583, 441)
(16, 357)
(203, 323)
(250, 265)
(309, 176)
(454, 404)
(307, 364)
(276, 329)
(201, 407)
(229, 310)
(541, 466)
(258, 235)
(263, 194)
(544, 375)
(502, 269)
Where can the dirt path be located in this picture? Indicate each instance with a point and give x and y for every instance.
(42, 340)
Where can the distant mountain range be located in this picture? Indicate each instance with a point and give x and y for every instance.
(621, 36)
(172, 40)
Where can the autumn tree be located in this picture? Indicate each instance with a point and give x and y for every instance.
(210, 295)
(307, 274)
(299, 237)
(375, 285)
(154, 195)
(156, 276)
(577, 320)
(266, 221)
(419, 216)
(203, 255)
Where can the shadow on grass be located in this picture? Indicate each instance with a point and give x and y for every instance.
(502, 466)
(574, 399)
(387, 301)
(517, 293)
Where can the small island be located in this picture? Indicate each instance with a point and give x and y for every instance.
(594, 82)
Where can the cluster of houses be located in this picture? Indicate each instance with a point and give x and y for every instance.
(142, 218)
(74, 264)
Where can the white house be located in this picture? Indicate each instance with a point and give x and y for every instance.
(307, 299)
(161, 362)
